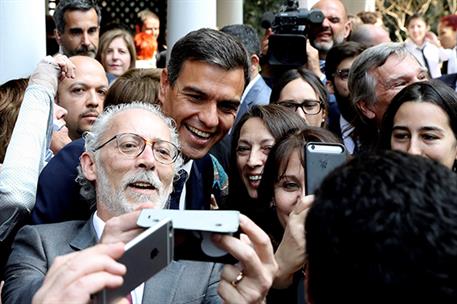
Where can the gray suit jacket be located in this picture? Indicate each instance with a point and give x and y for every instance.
(259, 94)
(36, 247)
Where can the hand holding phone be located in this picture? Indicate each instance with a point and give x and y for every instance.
(193, 229)
(144, 256)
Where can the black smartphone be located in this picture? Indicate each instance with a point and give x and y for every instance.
(193, 229)
(320, 160)
(144, 256)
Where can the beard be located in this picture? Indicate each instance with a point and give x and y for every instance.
(325, 46)
(116, 201)
(82, 51)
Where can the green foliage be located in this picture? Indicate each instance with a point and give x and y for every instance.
(254, 9)
(395, 13)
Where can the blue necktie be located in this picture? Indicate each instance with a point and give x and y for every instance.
(178, 185)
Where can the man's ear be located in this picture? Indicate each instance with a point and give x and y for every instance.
(58, 36)
(255, 61)
(164, 86)
(88, 168)
(347, 29)
(330, 87)
(365, 109)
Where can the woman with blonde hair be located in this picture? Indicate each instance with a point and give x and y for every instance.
(116, 52)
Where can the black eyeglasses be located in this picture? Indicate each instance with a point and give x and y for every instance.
(132, 145)
(343, 74)
(309, 106)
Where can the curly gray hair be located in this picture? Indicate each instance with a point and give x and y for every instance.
(100, 127)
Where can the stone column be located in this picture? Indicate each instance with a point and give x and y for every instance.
(185, 16)
(22, 37)
(229, 12)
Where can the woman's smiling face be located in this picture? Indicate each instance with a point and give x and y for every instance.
(252, 151)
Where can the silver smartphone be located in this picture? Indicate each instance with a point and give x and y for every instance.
(144, 256)
(320, 160)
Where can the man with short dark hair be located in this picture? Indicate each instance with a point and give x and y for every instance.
(383, 229)
(201, 90)
(77, 27)
(257, 91)
(338, 63)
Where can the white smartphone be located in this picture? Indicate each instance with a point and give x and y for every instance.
(320, 160)
(144, 256)
(193, 229)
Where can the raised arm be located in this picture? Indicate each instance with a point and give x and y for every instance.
(250, 280)
(30, 140)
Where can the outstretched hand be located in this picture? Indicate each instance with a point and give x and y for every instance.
(250, 280)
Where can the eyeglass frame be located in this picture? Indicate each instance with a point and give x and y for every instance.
(145, 143)
(301, 104)
(339, 72)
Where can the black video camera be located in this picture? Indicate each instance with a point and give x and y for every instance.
(287, 45)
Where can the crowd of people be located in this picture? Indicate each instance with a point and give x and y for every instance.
(97, 133)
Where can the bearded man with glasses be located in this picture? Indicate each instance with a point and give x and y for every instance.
(131, 157)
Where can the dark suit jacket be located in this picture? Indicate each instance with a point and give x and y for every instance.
(36, 247)
(449, 79)
(259, 94)
(58, 198)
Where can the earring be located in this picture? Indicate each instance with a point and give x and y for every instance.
(273, 203)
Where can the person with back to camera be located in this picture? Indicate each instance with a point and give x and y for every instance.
(301, 91)
(284, 203)
(422, 120)
(383, 229)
